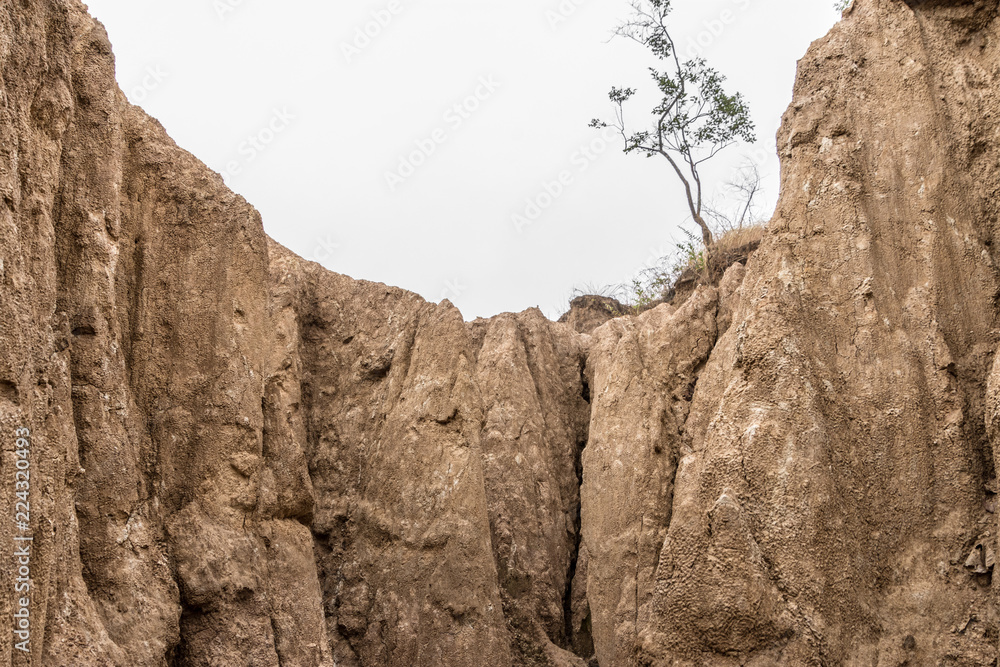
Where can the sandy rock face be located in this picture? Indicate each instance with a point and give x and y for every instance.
(393, 416)
(588, 312)
(444, 460)
(835, 463)
(136, 288)
(643, 371)
(239, 458)
(530, 374)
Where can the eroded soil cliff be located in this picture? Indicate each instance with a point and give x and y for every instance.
(237, 457)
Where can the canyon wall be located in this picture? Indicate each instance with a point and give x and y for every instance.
(225, 455)
(831, 481)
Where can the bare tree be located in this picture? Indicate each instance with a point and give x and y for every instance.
(745, 190)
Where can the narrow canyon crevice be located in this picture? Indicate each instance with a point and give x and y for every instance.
(576, 609)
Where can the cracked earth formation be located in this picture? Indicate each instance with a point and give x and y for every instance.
(234, 457)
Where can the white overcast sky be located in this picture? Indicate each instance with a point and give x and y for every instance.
(332, 114)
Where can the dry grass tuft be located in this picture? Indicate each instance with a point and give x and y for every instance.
(739, 238)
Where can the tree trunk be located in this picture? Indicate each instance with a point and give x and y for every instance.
(706, 233)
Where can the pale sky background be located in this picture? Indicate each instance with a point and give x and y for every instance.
(332, 114)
